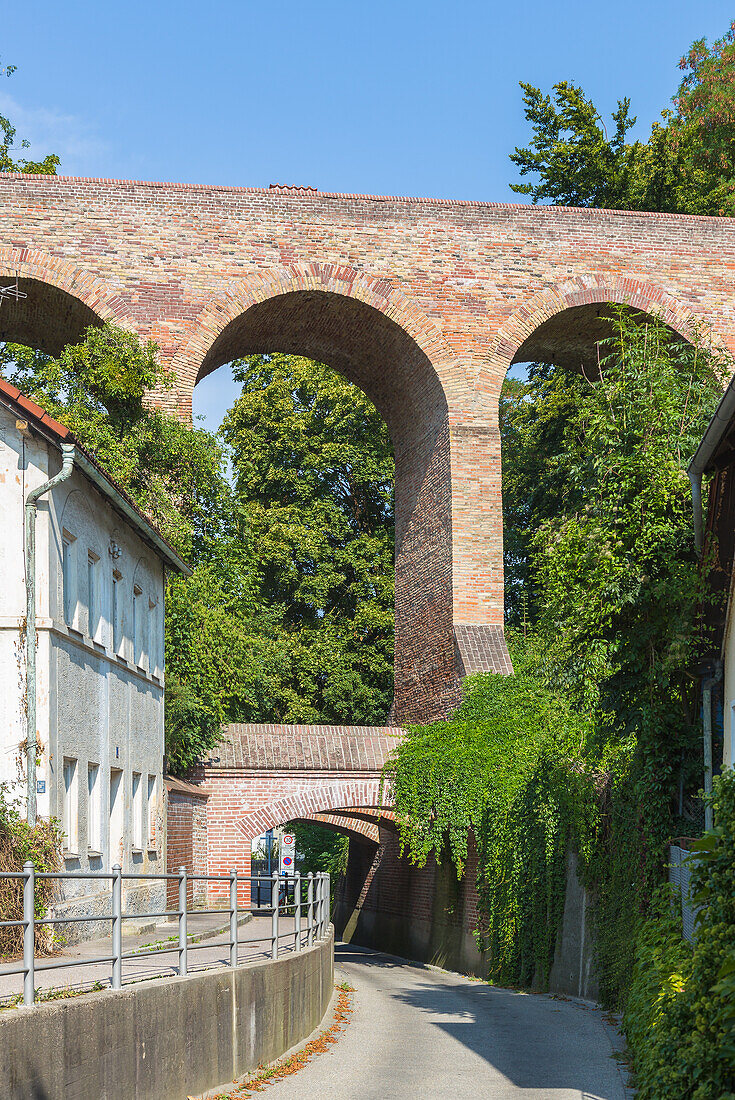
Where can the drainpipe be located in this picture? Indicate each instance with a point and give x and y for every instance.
(695, 477)
(67, 451)
(708, 682)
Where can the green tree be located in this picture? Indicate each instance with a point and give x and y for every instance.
(575, 161)
(45, 167)
(320, 849)
(687, 165)
(314, 482)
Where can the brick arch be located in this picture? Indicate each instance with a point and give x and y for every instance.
(373, 335)
(345, 823)
(93, 292)
(324, 798)
(582, 291)
(374, 291)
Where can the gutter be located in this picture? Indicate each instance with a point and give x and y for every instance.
(31, 509)
(709, 681)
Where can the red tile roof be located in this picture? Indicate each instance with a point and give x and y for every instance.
(34, 410)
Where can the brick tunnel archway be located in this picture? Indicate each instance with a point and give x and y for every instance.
(326, 798)
(375, 338)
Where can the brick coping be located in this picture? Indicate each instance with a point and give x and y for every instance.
(314, 193)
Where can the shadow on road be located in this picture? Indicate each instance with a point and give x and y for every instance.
(536, 1041)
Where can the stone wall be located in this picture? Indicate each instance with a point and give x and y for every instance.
(167, 1039)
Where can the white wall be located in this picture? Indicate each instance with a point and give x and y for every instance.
(97, 703)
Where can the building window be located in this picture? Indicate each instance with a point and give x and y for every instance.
(69, 578)
(93, 595)
(94, 810)
(153, 641)
(70, 812)
(138, 625)
(151, 811)
(137, 813)
(116, 611)
(115, 842)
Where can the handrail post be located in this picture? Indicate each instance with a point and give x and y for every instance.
(309, 909)
(233, 918)
(321, 905)
(29, 931)
(297, 911)
(182, 921)
(327, 901)
(274, 916)
(325, 905)
(116, 980)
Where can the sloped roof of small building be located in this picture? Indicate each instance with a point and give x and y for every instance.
(265, 746)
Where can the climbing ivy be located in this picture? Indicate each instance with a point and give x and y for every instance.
(506, 768)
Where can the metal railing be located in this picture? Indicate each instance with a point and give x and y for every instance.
(681, 863)
(309, 908)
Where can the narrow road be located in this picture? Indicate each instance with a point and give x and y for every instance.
(421, 1034)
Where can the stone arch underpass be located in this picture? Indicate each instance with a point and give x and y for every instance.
(262, 776)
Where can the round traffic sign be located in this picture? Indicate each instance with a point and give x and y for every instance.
(288, 840)
(287, 861)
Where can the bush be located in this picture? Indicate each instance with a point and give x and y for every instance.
(19, 843)
(680, 1017)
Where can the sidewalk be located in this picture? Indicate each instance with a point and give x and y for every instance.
(208, 946)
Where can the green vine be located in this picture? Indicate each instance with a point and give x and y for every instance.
(507, 767)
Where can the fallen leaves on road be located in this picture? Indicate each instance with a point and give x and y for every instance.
(286, 1066)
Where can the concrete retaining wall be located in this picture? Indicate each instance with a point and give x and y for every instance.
(164, 1040)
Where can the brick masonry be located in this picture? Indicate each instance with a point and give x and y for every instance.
(263, 776)
(186, 839)
(423, 303)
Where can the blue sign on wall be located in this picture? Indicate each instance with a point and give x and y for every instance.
(40, 786)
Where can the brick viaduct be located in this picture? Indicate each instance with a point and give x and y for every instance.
(422, 303)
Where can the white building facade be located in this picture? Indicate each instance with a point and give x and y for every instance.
(100, 580)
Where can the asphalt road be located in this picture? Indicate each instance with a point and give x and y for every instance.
(422, 1033)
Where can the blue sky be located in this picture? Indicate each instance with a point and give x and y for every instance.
(389, 98)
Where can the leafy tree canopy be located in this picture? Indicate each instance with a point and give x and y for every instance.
(45, 167)
(686, 166)
(314, 482)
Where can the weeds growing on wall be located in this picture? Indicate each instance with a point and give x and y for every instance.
(18, 843)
